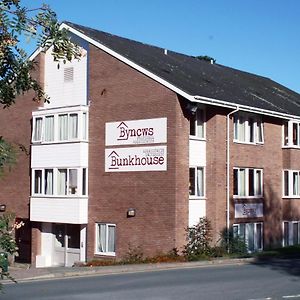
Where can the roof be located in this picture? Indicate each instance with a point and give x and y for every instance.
(201, 78)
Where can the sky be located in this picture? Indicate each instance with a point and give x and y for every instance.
(257, 36)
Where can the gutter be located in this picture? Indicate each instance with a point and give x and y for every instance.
(228, 173)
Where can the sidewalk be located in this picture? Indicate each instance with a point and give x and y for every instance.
(23, 273)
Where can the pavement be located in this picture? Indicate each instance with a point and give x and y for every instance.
(23, 272)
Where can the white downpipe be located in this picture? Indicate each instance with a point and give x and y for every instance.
(228, 172)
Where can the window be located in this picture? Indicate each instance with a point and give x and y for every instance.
(62, 182)
(63, 127)
(105, 239)
(197, 124)
(196, 186)
(84, 178)
(73, 126)
(84, 126)
(248, 129)
(251, 233)
(291, 134)
(49, 182)
(37, 134)
(291, 233)
(291, 183)
(49, 129)
(247, 182)
(38, 182)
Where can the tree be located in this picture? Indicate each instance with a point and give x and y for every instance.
(33, 24)
(38, 25)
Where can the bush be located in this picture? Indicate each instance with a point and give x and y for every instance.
(199, 241)
(233, 244)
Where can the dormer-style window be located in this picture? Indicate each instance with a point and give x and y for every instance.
(291, 134)
(197, 124)
(248, 129)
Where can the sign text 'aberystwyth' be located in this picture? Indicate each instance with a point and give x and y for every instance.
(147, 131)
(136, 159)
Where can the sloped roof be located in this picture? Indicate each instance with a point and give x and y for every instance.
(201, 78)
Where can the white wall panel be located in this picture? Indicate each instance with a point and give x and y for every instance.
(59, 210)
(197, 153)
(59, 155)
(197, 209)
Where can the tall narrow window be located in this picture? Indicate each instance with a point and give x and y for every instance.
(242, 182)
(84, 126)
(197, 124)
(295, 133)
(37, 135)
(295, 183)
(49, 129)
(73, 181)
(84, 178)
(286, 236)
(286, 133)
(105, 239)
(286, 183)
(62, 182)
(38, 182)
(295, 233)
(73, 126)
(63, 127)
(49, 181)
(196, 181)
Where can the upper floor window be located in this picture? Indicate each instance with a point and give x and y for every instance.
(291, 183)
(248, 129)
(197, 124)
(291, 134)
(60, 127)
(196, 187)
(71, 181)
(247, 182)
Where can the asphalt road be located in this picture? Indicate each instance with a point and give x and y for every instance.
(210, 282)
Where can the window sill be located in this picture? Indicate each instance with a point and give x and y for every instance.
(197, 198)
(290, 197)
(248, 143)
(291, 147)
(113, 254)
(58, 142)
(59, 196)
(248, 197)
(195, 138)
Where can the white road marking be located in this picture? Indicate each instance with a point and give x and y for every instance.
(291, 296)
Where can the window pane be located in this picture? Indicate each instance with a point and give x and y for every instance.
(84, 181)
(101, 247)
(37, 136)
(258, 182)
(38, 181)
(200, 123)
(251, 182)
(286, 183)
(192, 181)
(286, 134)
(235, 182)
(251, 130)
(295, 183)
(62, 182)
(49, 182)
(250, 236)
(84, 126)
(242, 130)
(258, 236)
(242, 182)
(63, 127)
(259, 133)
(111, 239)
(295, 233)
(200, 182)
(193, 125)
(286, 233)
(73, 126)
(49, 128)
(235, 130)
(295, 134)
(73, 181)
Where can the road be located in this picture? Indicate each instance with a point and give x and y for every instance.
(211, 282)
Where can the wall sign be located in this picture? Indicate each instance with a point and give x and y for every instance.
(148, 131)
(249, 210)
(136, 159)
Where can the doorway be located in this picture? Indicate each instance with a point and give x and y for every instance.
(23, 240)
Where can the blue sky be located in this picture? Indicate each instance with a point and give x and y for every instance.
(258, 36)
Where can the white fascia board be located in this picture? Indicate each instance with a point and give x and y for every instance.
(192, 98)
(53, 110)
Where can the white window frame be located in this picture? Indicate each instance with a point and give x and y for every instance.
(255, 183)
(55, 182)
(257, 123)
(195, 136)
(291, 193)
(106, 242)
(287, 141)
(290, 233)
(245, 235)
(195, 196)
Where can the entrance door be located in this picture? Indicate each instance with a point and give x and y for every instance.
(66, 244)
(23, 239)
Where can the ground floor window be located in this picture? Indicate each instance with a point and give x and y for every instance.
(291, 233)
(251, 233)
(105, 239)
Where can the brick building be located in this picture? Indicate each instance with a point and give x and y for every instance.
(138, 142)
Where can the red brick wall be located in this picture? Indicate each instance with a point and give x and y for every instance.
(117, 92)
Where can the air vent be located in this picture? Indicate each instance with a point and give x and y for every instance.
(68, 74)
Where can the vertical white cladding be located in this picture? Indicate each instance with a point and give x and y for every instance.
(66, 83)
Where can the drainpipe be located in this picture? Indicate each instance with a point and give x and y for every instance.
(228, 174)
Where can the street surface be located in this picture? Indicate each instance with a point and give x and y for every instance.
(243, 282)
